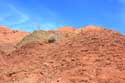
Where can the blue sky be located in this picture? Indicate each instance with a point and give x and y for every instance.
(50, 14)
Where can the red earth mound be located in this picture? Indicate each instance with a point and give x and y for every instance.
(4, 29)
(89, 28)
(66, 29)
(9, 38)
(87, 57)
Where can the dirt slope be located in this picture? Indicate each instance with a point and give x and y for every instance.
(2, 56)
(87, 57)
(9, 38)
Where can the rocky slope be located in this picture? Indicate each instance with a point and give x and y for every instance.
(96, 55)
(9, 38)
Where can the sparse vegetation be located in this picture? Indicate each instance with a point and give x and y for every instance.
(43, 36)
(52, 38)
(35, 36)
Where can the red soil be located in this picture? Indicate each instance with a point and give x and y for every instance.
(9, 38)
(4, 29)
(66, 29)
(2, 56)
(87, 57)
(89, 28)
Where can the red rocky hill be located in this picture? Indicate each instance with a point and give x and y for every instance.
(91, 56)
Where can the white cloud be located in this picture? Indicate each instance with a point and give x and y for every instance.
(12, 16)
(22, 18)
